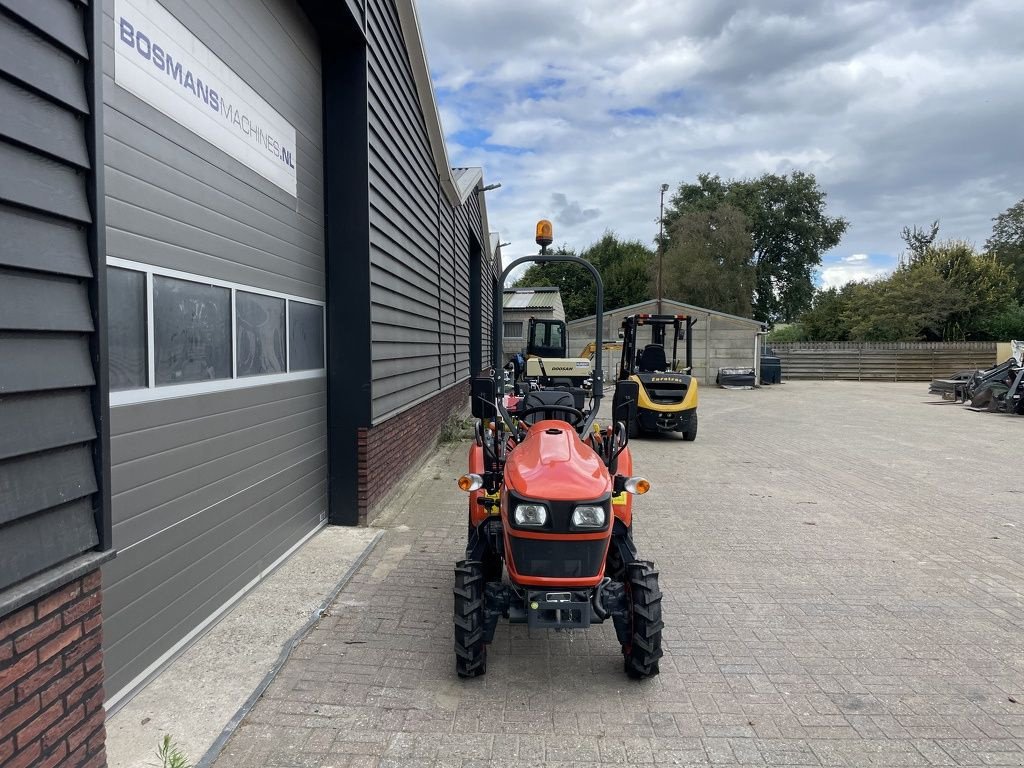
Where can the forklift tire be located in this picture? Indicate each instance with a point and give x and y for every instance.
(690, 430)
(470, 648)
(643, 649)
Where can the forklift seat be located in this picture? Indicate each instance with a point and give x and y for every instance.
(652, 359)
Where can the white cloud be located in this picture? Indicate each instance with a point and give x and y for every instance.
(904, 109)
(839, 275)
(855, 258)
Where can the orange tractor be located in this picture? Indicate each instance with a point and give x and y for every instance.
(550, 535)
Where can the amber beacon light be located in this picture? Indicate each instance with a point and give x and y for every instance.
(544, 233)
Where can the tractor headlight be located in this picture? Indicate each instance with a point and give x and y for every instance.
(531, 515)
(589, 516)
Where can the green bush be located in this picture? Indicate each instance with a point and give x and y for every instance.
(783, 333)
(1008, 324)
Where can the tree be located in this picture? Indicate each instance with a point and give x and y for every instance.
(824, 321)
(919, 240)
(623, 265)
(913, 303)
(1006, 243)
(986, 287)
(708, 260)
(789, 233)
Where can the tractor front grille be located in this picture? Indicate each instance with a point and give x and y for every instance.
(558, 559)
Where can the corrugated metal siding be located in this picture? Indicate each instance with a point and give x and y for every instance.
(48, 480)
(209, 490)
(404, 223)
(463, 254)
(448, 288)
(420, 245)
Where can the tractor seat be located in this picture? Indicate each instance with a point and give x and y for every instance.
(652, 359)
(547, 397)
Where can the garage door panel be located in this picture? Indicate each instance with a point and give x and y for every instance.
(157, 439)
(208, 489)
(154, 507)
(144, 633)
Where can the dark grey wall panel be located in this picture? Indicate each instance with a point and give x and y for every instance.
(38, 422)
(50, 461)
(61, 532)
(36, 482)
(30, 59)
(37, 302)
(42, 125)
(39, 242)
(209, 489)
(41, 361)
(59, 20)
(420, 244)
(37, 182)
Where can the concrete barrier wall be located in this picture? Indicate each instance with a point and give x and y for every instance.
(867, 361)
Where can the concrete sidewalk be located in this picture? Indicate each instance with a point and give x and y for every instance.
(843, 573)
(200, 692)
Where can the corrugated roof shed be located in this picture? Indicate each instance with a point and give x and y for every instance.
(532, 298)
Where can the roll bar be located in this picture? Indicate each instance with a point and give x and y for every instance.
(496, 330)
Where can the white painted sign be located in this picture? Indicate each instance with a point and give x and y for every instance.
(157, 59)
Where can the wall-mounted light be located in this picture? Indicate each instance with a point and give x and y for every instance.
(489, 187)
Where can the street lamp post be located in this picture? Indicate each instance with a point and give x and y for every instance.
(661, 246)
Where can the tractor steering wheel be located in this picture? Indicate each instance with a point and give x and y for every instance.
(575, 412)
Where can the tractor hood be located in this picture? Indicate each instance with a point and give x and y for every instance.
(553, 463)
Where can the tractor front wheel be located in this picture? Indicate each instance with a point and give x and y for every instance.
(470, 648)
(642, 649)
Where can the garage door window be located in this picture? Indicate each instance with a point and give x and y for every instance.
(173, 334)
(260, 337)
(126, 328)
(306, 336)
(191, 331)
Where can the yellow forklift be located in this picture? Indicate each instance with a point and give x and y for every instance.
(667, 400)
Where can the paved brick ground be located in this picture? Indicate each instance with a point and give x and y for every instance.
(844, 585)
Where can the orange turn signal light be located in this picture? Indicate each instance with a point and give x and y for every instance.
(471, 482)
(638, 485)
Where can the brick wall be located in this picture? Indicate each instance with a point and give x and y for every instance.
(390, 450)
(51, 680)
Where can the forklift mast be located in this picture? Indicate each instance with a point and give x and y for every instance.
(658, 324)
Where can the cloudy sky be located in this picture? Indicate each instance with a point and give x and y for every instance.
(905, 110)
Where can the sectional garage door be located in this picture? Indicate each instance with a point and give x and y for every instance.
(215, 254)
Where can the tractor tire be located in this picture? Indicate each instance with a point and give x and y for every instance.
(643, 649)
(690, 430)
(470, 648)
